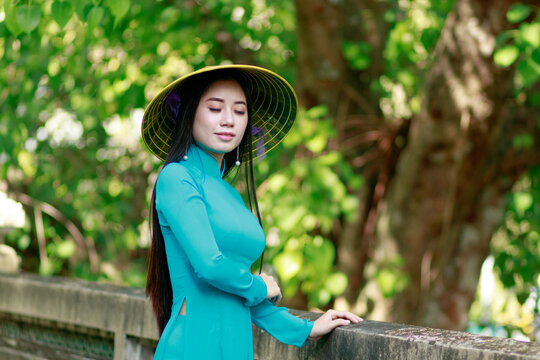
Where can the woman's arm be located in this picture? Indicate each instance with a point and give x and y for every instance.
(331, 320)
(291, 330)
(281, 324)
(181, 207)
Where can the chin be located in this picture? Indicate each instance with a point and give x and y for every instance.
(226, 148)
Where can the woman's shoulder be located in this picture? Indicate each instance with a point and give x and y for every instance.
(178, 172)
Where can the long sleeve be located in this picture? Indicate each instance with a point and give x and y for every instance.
(181, 206)
(281, 324)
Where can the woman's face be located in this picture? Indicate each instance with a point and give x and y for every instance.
(221, 117)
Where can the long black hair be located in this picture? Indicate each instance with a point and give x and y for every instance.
(158, 284)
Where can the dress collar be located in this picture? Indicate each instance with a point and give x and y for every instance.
(205, 161)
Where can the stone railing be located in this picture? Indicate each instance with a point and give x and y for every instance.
(58, 318)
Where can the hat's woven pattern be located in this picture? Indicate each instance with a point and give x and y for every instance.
(271, 98)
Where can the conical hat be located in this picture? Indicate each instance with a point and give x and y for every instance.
(271, 98)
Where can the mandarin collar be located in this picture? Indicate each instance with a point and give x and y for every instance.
(205, 161)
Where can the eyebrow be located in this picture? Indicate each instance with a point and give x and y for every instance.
(223, 101)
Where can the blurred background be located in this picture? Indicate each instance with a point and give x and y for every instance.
(407, 191)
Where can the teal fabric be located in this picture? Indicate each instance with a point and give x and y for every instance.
(211, 241)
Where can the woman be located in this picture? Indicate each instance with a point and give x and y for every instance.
(204, 238)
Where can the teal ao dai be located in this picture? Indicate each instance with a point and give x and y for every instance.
(211, 241)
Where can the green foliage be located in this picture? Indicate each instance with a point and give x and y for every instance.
(511, 273)
(521, 46)
(307, 188)
(119, 8)
(517, 251)
(28, 17)
(415, 30)
(357, 54)
(506, 55)
(11, 18)
(391, 278)
(518, 12)
(522, 141)
(76, 76)
(61, 12)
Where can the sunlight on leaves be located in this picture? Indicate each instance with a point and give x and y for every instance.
(522, 202)
(506, 55)
(336, 283)
(530, 33)
(288, 265)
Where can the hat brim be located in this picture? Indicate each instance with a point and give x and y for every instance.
(271, 98)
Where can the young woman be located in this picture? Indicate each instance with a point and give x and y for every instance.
(205, 240)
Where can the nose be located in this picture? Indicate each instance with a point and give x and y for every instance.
(228, 118)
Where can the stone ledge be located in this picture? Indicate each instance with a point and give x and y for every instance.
(126, 313)
(79, 303)
(381, 340)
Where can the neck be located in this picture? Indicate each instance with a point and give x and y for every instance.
(215, 154)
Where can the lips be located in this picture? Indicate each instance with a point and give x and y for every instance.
(225, 136)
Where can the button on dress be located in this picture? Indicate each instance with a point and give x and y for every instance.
(211, 241)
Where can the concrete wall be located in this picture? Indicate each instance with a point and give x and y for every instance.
(58, 318)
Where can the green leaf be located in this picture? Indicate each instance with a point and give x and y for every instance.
(506, 55)
(65, 249)
(317, 143)
(288, 265)
(320, 252)
(323, 297)
(28, 17)
(530, 33)
(46, 267)
(535, 56)
(529, 71)
(357, 54)
(518, 12)
(336, 283)
(522, 201)
(94, 16)
(119, 8)
(277, 182)
(293, 218)
(23, 242)
(11, 18)
(61, 12)
(317, 111)
(429, 38)
(522, 141)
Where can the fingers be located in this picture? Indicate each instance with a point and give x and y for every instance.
(331, 320)
(272, 287)
(340, 322)
(344, 315)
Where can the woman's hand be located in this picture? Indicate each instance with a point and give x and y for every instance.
(273, 292)
(331, 320)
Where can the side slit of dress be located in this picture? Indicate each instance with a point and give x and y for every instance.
(177, 335)
(183, 308)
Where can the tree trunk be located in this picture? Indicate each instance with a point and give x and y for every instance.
(324, 77)
(447, 197)
(436, 202)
